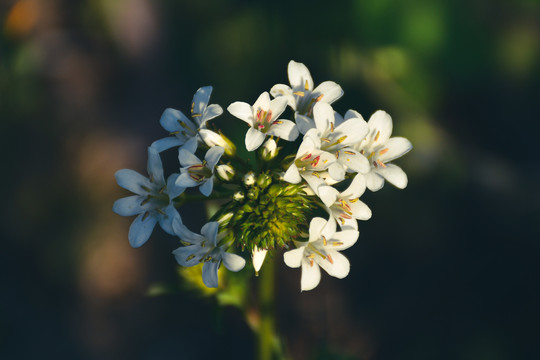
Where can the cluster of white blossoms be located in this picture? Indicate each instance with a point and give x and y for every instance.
(291, 197)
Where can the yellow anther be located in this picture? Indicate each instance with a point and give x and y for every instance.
(371, 155)
(306, 86)
(383, 151)
(326, 140)
(319, 98)
(192, 107)
(299, 93)
(353, 200)
(324, 240)
(316, 174)
(196, 115)
(190, 257)
(381, 164)
(340, 140)
(342, 221)
(174, 132)
(311, 262)
(349, 152)
(337, 243)
(362, 152)
(337, 154)
(377, 136)
(332, 127)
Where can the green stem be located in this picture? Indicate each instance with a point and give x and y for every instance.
(267, 331)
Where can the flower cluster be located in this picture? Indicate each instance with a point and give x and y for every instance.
(301, 195)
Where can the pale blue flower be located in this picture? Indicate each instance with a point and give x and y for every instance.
(204, 248)
(196, 172)
(188, 131)
(152, 202)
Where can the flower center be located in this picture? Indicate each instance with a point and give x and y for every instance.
(263, 122)
(199, 172)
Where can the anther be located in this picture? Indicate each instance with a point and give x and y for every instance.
(299, 93)
(383, 151)
(306, 86)
(330, 259)
(377, 136)
(381, 164)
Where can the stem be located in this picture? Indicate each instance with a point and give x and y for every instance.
(267, 332)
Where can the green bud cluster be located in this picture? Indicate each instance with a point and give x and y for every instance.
(270, 215)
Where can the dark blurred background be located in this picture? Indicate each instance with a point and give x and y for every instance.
(446, 269)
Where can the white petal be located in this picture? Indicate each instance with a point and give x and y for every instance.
(329, 90)
(213, 155)
(140, 230)
(374, 181)
(277, 106)
(316, 226)
(354, 161)
(307, 146)
(257, 258)
(187, 158)
(293, 258)
(355, 130)
(347, 237)
(155, 167)
(292, 175)
(210, 274)
(209, 231)
(254, 139)
(304, 123)
(380, 122)
(299, 75)
(132, 181)
(233, 262)
(185, 181)
(397, 147)
(242, 110)
(207, 187)
(285, 91)
(263, 102)
(327, 194)
(339, 267)
(129, 206)
(311, 276)
(360, 210)
(166, 143)
(329, 229)
(286, 130)
(323, 114)
(394, 175)
(356, 188)
(351, 114)
(336, 171)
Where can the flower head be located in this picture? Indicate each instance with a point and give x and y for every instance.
(205, 248)
(379, 148)
(301, 95)
(185, 130)
(196, 172)
(262, 118)
(321, 250)
(152, 202)
(348, 208)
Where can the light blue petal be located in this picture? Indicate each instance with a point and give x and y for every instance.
(185, 181)
(184, 252)
(129, 206)
(172, 189)
(186, 158)
(210, 274)
(165, 221)
(185, 234)
(155, 167)
(140, 230)
(201, 99)
(213, 155)
(166, 143)
(169, 120)
(211, 112)
(132, 181)
(209, 231)
(206, 188)
(190, 145)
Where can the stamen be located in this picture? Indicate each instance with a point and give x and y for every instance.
(145, 201)
(383, 151)
(174, 132)
(332, 127)
(259, 114)
(362, 152)
(349, 152)
(342, 221)
(190, 257)
(305, 157)
(330, 259)
(299, 93)
(337, 243)
(353, 200)
(340, 140)
(337, 154)
(146, 215)
(145, 188)
(161, 211)
(277, 122)
(269, 116)
(196, 115)
(311, 262)
(315, 161)
(192, 107)
(195, 167)
(371, 155)
(319, 98)
(306, 86)
(377, 136)
(381, 164)
(326, 140)
(324, 240)
(316, 174)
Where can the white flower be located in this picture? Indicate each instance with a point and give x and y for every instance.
(348, 208)
(380, 149)
(300, 95)
(322, 250)
(186, 131)
(204, 248)
(269, 150)
(153, 202)
(262, 118)
(196, 172)
(337, 139)
(257, 258)
(249, 178)
(308, 164)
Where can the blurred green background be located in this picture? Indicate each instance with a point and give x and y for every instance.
(446, 269)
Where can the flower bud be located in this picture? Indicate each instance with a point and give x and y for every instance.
(225, 172)
(263, 181)
(238, 196)
(249, 178)
(269, 150)
(211, 139)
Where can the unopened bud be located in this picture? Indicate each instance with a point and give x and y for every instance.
(263, 181)
(239, 196)
(249, 178)
(269, 150)
(211, 139)
(225, 172)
